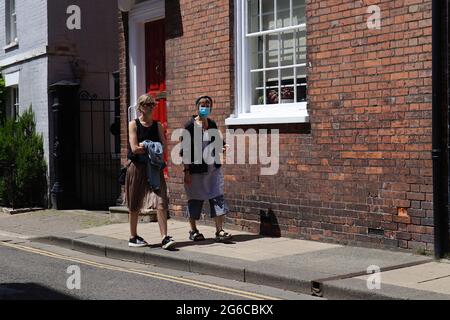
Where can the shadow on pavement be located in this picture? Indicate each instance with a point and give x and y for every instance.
(236, 239)
(30, 291)
(269, 224)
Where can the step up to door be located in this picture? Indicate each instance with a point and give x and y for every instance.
(120, 215)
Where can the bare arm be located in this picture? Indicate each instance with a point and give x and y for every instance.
(162, 137)
(135, 148)
(225, 146)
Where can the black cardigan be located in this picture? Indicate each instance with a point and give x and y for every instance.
(199, 168)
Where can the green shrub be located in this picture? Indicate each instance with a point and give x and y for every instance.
(24, 171)
(2, 100)
(8, 154)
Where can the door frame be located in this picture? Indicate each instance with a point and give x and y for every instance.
(140, 14)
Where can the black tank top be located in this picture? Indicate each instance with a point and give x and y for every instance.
(147, 133)
(144, 133)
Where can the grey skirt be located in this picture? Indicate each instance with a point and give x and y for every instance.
(206, 186)
(138, 194)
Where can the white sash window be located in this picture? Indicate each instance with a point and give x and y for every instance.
(271, 62)
(11, 22)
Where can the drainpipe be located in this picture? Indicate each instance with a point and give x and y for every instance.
(440, 128)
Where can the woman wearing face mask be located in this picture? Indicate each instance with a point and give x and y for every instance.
(204, 182)
(138, 193)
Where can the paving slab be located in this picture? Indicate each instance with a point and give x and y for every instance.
(355, 288)
(346, 260)
(47, 222)
(430, 277)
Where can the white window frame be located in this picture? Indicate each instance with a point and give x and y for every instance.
(246, 113)
(12, 85)
(11, 23)
(140, 14)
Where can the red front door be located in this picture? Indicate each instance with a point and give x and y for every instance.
(155, 65)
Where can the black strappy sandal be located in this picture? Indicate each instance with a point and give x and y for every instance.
(196, 236)
(222, 236)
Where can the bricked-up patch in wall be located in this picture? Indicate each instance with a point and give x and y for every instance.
(174, 21)
(376, 232)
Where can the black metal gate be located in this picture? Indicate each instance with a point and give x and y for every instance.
(99, 152)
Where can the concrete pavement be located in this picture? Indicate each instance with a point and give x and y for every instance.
(46, 222)
(327, 270)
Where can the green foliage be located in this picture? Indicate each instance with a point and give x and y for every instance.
(422, 252)
(8, 154)
(23, 174)
(2, 100)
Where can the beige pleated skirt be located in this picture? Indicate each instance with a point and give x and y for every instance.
(138, 194)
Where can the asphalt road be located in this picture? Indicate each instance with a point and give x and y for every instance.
(36, 271)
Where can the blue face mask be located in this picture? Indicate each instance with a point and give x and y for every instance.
(204, 112)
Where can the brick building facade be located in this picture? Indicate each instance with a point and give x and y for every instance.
(357, 168)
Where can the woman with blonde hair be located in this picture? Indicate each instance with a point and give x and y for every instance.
(138, 192)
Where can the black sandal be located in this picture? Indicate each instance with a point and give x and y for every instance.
(222, 236)
(196, 236)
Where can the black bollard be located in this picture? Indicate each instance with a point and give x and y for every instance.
(57, 189)
(62, 192)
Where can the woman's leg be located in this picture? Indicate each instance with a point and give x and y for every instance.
(134, 217)
(167, 242)
(219, 223)
(194, 211)
(193, 224)
(221, 235)
(162, 221)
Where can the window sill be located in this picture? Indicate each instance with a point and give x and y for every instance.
(269, 117)
(12, 45)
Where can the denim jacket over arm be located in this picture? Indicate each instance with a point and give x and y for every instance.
(154, 160)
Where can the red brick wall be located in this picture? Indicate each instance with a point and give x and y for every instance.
(366, 157)
(370, 107)
(124, 83)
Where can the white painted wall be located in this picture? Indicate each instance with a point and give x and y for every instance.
(33, 76)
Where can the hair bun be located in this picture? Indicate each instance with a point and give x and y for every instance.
(204, 97)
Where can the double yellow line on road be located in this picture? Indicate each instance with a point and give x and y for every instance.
(155, 275)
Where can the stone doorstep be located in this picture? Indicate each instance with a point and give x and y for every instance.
(12, 211)
(120, 215)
